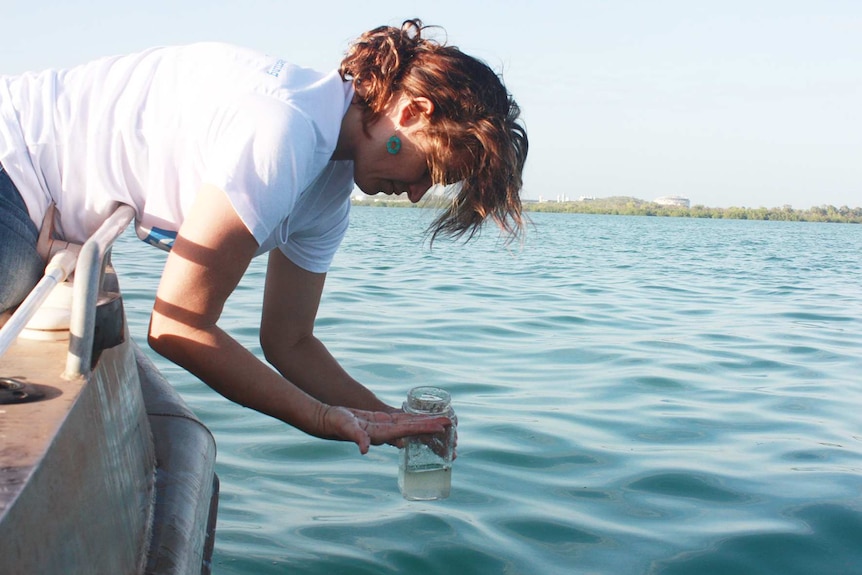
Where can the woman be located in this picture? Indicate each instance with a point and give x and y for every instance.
(227, 154)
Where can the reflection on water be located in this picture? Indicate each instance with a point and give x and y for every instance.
(635, 395)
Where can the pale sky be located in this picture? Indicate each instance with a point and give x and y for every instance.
(728, 102)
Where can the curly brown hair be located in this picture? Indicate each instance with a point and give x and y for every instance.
(474, 138)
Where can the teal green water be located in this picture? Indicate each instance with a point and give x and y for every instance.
(635, 395)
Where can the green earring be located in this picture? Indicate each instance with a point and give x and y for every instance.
(393, 145)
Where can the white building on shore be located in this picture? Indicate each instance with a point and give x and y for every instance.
(673, 201)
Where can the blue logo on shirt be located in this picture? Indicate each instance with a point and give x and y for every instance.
(276, 68)
(162, 239)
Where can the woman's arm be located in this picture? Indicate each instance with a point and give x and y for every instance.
(290, 304)
(210, 255)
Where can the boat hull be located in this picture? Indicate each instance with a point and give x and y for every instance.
(110, 474)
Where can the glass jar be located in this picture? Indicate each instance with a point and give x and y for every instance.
(425, 469)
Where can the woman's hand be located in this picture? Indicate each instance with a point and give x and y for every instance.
(433, 440)
(367, 428)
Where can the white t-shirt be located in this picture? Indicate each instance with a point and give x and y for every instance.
(148, 129)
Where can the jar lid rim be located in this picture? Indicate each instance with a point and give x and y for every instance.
(428, 398)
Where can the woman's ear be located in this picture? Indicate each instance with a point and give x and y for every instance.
(425, 106)
(416, 110)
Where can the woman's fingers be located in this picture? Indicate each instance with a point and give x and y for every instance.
(366, 428)
(386, 427)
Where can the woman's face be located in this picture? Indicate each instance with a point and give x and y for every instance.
(376, 170)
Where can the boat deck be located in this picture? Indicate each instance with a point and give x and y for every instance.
(26, 428)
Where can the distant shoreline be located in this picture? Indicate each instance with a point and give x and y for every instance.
(625, 206)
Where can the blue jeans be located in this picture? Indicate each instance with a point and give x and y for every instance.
(20, 264)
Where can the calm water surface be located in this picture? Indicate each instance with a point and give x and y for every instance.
(635, 395)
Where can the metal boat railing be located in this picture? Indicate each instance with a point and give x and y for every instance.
(89, 271)
(88, 281)
(56, 272)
